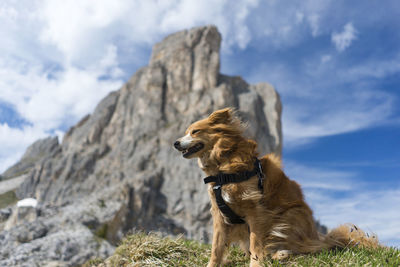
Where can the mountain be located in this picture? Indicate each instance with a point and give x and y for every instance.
(35, 153)
(116, 169)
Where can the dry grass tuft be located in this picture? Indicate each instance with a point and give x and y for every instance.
(142, 249)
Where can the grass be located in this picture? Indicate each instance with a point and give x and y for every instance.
(101, 231)
(150, 250)
(141, 249)
(8, 198)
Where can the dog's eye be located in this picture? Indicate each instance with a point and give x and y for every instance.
(195, 131)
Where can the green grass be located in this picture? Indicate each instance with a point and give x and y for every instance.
(150, 250)
(101, 231)
(8, 198)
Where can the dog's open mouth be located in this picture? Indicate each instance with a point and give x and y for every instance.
(191, 150)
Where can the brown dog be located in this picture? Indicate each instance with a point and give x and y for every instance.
(275, 218)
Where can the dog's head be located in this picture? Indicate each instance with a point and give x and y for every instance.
(215, 135)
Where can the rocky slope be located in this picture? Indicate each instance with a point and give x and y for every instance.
(116, 169)
(38, 151)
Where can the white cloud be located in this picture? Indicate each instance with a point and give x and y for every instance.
(354, 101)
(72, 25)
(137, 22)
(324, 97)
(374, 69)
(317, 178)
(344, 39)
(305, 121)
(326, 58)
(299, 17)
(49, 103)
(313, 19)
(372, 209)
(277, 24)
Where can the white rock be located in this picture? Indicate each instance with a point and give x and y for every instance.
(27, 202)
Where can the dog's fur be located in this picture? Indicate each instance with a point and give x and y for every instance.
(278, 220)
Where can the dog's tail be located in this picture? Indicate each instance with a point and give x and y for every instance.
(344, 236)
(350, 235)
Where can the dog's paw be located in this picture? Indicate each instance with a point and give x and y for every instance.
(281, 254)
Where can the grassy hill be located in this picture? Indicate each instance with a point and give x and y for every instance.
(150, 250)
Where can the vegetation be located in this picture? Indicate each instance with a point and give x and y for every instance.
(150, 250)
(101, 231)
(8, 198)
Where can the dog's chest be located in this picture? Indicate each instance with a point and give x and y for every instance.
(230, 193)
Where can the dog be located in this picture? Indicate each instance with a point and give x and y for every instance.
(272, 218)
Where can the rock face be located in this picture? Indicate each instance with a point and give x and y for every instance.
(116, 170)
(38, 151)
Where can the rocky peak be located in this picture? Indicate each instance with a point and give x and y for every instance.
(190, 57)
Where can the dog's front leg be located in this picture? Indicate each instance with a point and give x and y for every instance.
(220, 240)
(256, 245)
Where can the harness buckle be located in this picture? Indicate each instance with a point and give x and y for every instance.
(216, 187)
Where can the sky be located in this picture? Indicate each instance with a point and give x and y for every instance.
(335, 64)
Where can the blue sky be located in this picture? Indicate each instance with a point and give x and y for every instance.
(336, 65)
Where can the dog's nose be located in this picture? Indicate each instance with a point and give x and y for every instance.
(177, 144)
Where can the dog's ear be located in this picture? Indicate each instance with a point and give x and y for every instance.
(221, 116)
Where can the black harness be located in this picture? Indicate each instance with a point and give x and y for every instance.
(226, 178)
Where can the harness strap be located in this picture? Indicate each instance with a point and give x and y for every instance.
(225, 209)
(226, 178)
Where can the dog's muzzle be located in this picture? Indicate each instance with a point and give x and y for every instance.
(186, 152)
